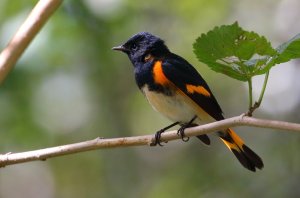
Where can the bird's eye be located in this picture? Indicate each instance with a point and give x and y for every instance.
(134, 47)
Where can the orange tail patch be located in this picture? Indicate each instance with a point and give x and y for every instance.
(248, 158)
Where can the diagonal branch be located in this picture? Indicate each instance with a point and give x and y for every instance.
(100, 143)
(25, 34)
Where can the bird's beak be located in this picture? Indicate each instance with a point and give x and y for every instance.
(120, 48)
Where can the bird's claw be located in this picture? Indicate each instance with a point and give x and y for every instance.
(158, 135)
(157, 138)
(180, 132)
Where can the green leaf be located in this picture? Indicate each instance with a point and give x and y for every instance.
(288, 50)
(233, 51)
(285, 52)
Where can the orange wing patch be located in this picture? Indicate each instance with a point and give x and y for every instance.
(198, 89)
(158, 74)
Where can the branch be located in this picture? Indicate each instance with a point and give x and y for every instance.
(100, 143)
(31, 26)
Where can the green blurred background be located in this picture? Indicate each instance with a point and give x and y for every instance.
(69, 86)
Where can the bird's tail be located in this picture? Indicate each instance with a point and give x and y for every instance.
(243, 153)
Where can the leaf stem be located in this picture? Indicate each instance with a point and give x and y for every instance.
(250, 93)
(262, 92)
(263, 88)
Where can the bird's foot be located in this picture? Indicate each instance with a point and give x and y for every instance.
(180, 131)
(157, 135)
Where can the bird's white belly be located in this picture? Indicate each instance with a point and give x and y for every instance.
(175, 107)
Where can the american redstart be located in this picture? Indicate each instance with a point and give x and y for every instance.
(174, 88)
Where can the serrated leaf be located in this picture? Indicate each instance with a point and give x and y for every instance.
(229, 49)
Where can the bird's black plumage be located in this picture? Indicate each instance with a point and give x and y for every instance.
(180, 72)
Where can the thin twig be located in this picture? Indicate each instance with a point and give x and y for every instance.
(100, 143)
(28, 30)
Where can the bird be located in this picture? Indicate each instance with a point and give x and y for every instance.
(175, 88)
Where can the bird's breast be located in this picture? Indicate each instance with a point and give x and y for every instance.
(172, 106)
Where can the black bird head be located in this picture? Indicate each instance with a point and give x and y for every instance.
(142, 45)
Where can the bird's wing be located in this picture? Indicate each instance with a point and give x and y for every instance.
(186, 78)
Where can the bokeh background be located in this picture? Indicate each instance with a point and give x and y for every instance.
(69, 86)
